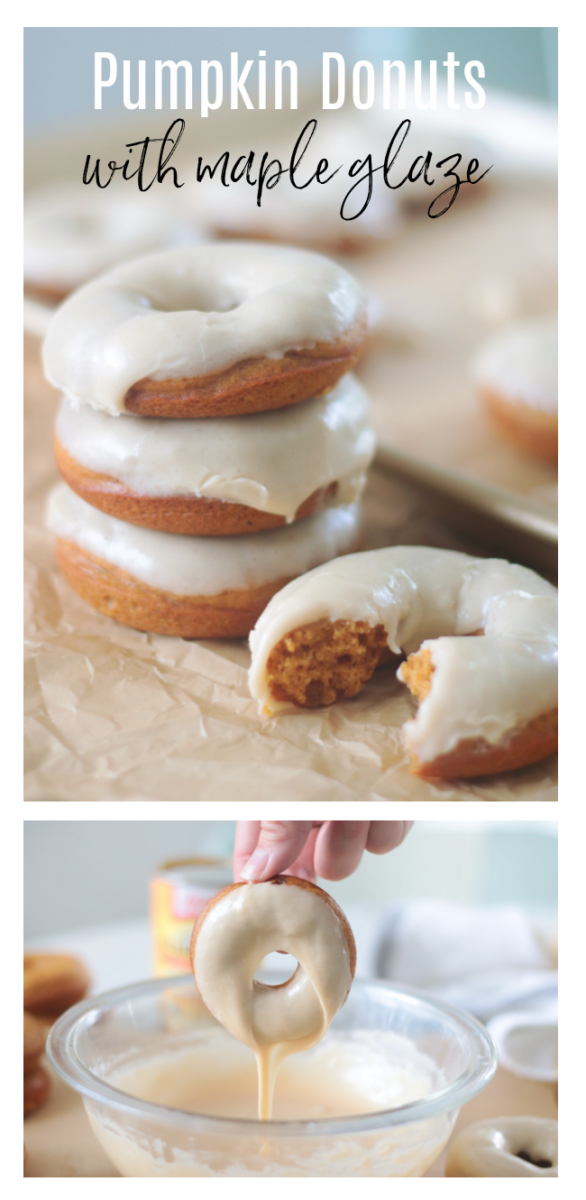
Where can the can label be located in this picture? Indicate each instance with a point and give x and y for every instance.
(175, 908)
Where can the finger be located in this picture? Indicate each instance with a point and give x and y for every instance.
(386, 835)
(247, 834)
(304, 867)
(279, 844)
(339, 848)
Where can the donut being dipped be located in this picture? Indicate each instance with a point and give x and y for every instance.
(220, 477)
(192, 587)
(488, 703)
(506, 1147)
(207, 331)
(517, 375)
(237, 929)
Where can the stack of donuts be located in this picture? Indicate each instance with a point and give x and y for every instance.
(212, 443)
(52, 983)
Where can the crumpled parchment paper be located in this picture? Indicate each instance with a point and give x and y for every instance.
(113, 714)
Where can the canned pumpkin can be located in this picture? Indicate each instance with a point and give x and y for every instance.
(178, 892)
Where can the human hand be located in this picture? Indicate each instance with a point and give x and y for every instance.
(330, 849)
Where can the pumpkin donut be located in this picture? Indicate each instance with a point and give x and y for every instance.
(235, 475)
(233, 934)
(192, 587)
(34, 1038)
(308, 217)
(37, 1085)
(211, 330)
(517, 374)
(245, 922)
(487, 703)
(506, 1147)
(52, 983)
(73, 232)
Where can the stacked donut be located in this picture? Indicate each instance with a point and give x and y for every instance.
(37, 1084)
(52, 983)
(212, 444)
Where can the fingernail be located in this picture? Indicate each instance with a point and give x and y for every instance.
(255, 866)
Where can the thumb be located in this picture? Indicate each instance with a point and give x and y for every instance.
(279, 844)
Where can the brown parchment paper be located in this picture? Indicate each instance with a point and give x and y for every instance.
(116, 714)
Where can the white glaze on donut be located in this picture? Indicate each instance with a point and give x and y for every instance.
(521, 364)
(239, 930)
(195, 312)
(491, 1148)
(73, 232)
(482, 686)
(270, 461)
(201, 566)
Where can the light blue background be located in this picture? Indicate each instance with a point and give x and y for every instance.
(59, 62)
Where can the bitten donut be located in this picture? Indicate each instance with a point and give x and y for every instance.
(505, 1147)
(52, 983)
(247, 921)
(73, 232)
(517, 374)
(188, 587)
(219, 477)
(207, 331)
(36, 1088)
(487, 703)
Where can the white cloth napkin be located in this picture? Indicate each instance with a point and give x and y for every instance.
(495, 962)
(527, 1042)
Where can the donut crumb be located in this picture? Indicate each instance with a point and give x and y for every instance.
(325, 661)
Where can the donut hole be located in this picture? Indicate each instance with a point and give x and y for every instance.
(543, 1163)
(199, 306)
(176, 295)
(276, 969)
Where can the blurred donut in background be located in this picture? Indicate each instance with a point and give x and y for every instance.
(516, 373)
(73, 232)
(309, 215)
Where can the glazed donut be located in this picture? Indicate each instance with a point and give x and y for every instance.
(34, 1038)
(488, 703)
(186, 586)
(516, 373)
(245, 922)
(308, 217)
(37, 1085)
(219, 477)
(72, 233)
(207, 331)
(52, 983)
(505, 1147)
(426, 137)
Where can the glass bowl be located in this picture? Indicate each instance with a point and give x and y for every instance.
(100, 1039)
